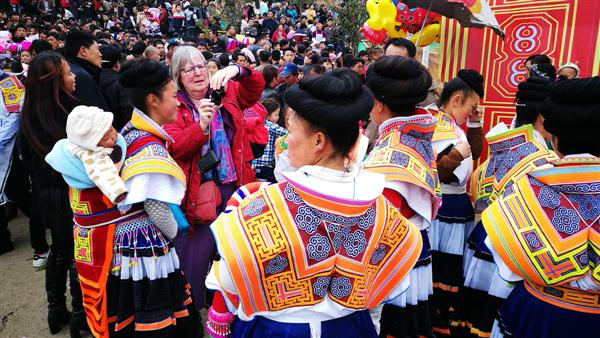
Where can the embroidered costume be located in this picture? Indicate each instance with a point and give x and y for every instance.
(298, 261)
(128, 270)
(545, 230)
(513, 153)
(403, 153)
(453, 224)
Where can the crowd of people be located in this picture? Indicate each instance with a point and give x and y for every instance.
(288, 184)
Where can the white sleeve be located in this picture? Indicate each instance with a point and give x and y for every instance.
(505, 272)
(160, 187)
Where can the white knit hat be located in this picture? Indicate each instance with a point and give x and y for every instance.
(573, 65)
(86, 126)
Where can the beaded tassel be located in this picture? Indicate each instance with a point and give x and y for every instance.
(218, 324)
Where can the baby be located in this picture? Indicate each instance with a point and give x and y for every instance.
(92, 139)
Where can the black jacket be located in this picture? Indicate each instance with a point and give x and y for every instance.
(87, 79)
(118, 102)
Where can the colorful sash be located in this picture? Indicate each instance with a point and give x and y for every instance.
(146, 152)
(512, 154)
(546, 225)
(287, 246)
(95, 220)
(12, 92)
(403, 153)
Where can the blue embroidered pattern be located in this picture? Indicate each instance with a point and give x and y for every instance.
(276, 265)
(340, 287)
(355, 243)
(548, 197)
(565, 220)
(318, 247)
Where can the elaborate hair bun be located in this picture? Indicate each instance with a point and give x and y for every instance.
(399, 82)
(330, 100)
(535, 89)
(573, 107)
(333, 102)
(143, 73)
(473, 79)
(530, 96)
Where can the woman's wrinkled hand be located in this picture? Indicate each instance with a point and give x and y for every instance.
(206, 110)
(222, 77)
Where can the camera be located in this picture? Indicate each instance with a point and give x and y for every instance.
(216, 96)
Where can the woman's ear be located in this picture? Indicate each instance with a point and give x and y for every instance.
(457, 99)
(152, 101)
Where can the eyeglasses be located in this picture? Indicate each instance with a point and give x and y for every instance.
(191, 69)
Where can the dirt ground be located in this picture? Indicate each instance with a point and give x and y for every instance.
(23, 306)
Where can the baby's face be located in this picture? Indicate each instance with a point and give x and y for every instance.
(109, 139)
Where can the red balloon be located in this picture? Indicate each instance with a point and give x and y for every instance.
(412, 18)
(374, 36)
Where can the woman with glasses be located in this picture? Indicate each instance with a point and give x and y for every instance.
(202, 128)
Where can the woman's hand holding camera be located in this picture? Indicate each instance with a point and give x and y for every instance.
(206, 110)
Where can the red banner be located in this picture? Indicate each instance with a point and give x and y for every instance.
(565, 30)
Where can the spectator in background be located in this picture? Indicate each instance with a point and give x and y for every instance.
(269, 73)
(357, 65)
(85, 60)
(53, 39)
(400, 47)
(240, 58)
(118, 102)
(48, 100)
(152, 53)
(265, 165)
(264, 58)
(213, 67)
(269, 25)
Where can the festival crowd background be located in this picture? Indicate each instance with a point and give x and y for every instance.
(277, 45)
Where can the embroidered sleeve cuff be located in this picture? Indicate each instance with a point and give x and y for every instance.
(474, 124)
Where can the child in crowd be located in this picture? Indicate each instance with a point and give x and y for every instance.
(93, 141)
(265, 164)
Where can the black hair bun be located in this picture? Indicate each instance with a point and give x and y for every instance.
(473, 79)
(399, 82)
(143, 73)
(535, 89)
(339, 86)
(330, 100)
(573, 107)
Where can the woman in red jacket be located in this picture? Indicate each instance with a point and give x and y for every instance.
(203, 127)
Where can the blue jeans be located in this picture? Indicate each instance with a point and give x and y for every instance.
(9, 126)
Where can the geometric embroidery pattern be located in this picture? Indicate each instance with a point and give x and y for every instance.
(538, 227)
(403, 153)
(513, 154)
(295, 253)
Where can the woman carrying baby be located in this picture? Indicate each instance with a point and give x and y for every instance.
(128, 268)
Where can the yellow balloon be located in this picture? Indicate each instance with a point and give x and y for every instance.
(429, 34)
(382, 13)
(394, 29)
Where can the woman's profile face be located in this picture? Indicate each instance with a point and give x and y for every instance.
(68, 78)
(300, 140)
(166, 111)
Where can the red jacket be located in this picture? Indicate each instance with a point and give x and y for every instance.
(188, 137)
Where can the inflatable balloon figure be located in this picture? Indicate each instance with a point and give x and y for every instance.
(393, 19)
(374, 36)
(382, 15)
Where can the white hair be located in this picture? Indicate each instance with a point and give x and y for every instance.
(180, 58)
